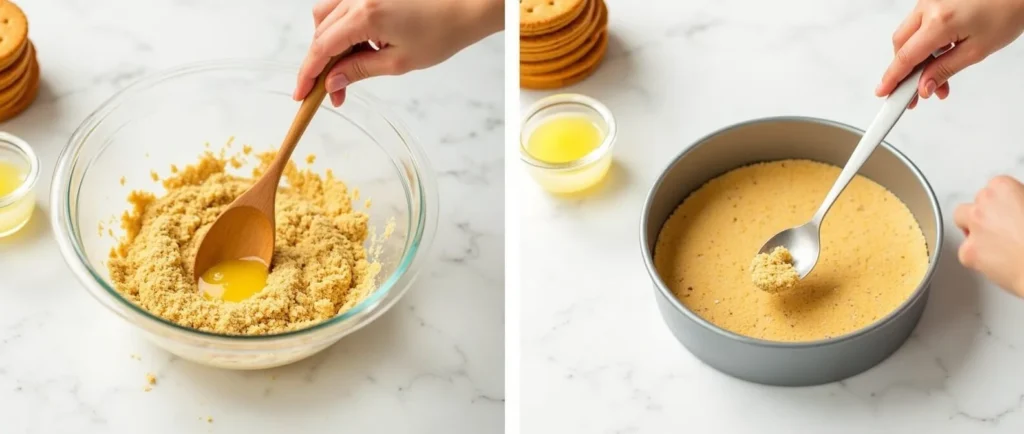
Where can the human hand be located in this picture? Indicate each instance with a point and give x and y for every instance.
(410, 35)
(976, 27)
(994, 233)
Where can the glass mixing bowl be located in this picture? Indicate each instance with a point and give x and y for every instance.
(169, 119)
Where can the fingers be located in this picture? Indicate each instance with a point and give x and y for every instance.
(362, 65)
(312, 65)
(961, 216)
(907, 28)
(967, 253)
(338, 98)
(344, 33)
(914, 51)
(942, 92)
(336, 15)
(941, 69)
(322, 9)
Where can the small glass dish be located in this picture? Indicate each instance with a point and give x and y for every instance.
(16, 208)
(579, 174)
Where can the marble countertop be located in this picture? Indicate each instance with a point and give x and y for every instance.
(433, 364)
(597, 357)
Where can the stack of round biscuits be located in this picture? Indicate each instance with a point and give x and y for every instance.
(561, 42)
(19, 71)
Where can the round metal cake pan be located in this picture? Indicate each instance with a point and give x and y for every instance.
(788, 363)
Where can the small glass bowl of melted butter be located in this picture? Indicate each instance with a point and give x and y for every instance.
(566, 142)
(19, 171)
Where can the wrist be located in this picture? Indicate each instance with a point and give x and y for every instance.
(483, 17)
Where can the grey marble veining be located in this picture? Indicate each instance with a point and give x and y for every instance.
(597, 357)
(433, 364)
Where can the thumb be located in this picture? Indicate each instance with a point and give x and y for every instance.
(945, 66)
(362, 65)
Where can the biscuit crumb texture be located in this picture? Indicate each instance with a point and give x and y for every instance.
(774, 272)
(873, 253)
(320, 267)
(150, 382)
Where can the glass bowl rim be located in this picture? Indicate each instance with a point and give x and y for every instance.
(568, 99)
(75, 257)
(22, 147)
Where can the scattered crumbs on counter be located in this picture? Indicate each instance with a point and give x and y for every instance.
(110, 232)
(230, 141)
(174, 168)
(150, 378)
(147, 155)
(209, 419)
(136, 356)
(355, 194)
(123, 181)
(99, 229)
(310, 159)
(246, 149)
(154, 175)
(206, 145)
(368, 203)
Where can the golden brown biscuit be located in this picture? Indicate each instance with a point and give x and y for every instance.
(571, 74)
(19, 68)
(562, 50)
(550, 65)
(13, 33)
(572, 31)
(11, 92)
(25, 99)
(537, 17)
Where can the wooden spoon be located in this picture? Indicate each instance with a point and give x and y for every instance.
(246, 228)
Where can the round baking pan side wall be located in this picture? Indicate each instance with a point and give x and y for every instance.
(784, 363)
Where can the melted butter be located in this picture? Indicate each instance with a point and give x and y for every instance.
(563, 139)
(11, 177)
(234, 280)
(14, 215)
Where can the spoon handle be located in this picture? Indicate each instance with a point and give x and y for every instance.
(309, 106)
(895, 104)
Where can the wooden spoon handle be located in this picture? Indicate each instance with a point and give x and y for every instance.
(309, 106)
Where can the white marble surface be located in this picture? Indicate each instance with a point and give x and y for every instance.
(597, 357)
(434, 364)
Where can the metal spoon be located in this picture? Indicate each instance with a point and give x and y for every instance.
(804, 241)
(246, 228)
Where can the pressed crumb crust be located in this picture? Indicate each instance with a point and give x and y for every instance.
(873, 253)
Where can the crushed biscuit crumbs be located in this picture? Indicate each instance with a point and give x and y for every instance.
(320, 267)
(310, 159)
(123, 180)
(150, 378)
(774, 272)
(154, 175)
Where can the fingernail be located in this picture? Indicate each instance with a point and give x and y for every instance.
(878, 90)
(336, 83)
(929, 88)
(334, 100)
